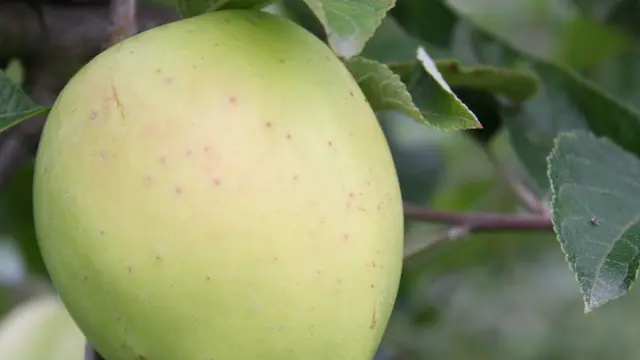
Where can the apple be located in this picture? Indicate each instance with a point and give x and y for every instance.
(219, 188)
(40, 329)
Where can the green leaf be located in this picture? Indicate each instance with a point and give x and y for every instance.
(383, 88)
(434, 97)
(15, 71)
(517, 86)
(596, 213)
(15, 105)
(565, 101)
(571, 103)
(438, 106)
(438, 30)
(298, 12)
(533, 125)
(552, 30)
(349, 24)
(189, 8)
(619, 77)
(391, 43)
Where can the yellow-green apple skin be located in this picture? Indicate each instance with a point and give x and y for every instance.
(218, 188)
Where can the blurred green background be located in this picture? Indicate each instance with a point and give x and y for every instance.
(507, 295)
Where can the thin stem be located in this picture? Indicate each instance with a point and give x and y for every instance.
(124, 22)
(480, 221)
(450, 234)
(463, 224)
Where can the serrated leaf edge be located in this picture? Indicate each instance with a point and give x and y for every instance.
(589, 306)
(388, 72)
(432, 69)
(328, 30)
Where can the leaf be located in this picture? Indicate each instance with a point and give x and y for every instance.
(572, 103)
(596, 213)
(438, 31)
(15, 105)
(434, 97)
(349, 23)
(391, 43)
(565, 101)
(516, 85)
(533, 125)
(551, 30)
(189, 8)
(619, 77)
(298, 12)
(383, 88)
(15, 71)
(386, 92)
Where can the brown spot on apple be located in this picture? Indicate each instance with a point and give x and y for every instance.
(374, 320)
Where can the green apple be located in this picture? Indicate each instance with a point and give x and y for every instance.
(40, 329)
(219, 188)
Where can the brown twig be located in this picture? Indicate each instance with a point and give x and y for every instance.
(480, 221)
(124, 22)
(463, 224)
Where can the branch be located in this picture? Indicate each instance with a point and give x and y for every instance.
(480, 221)
(450, 234)
(463, 224)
